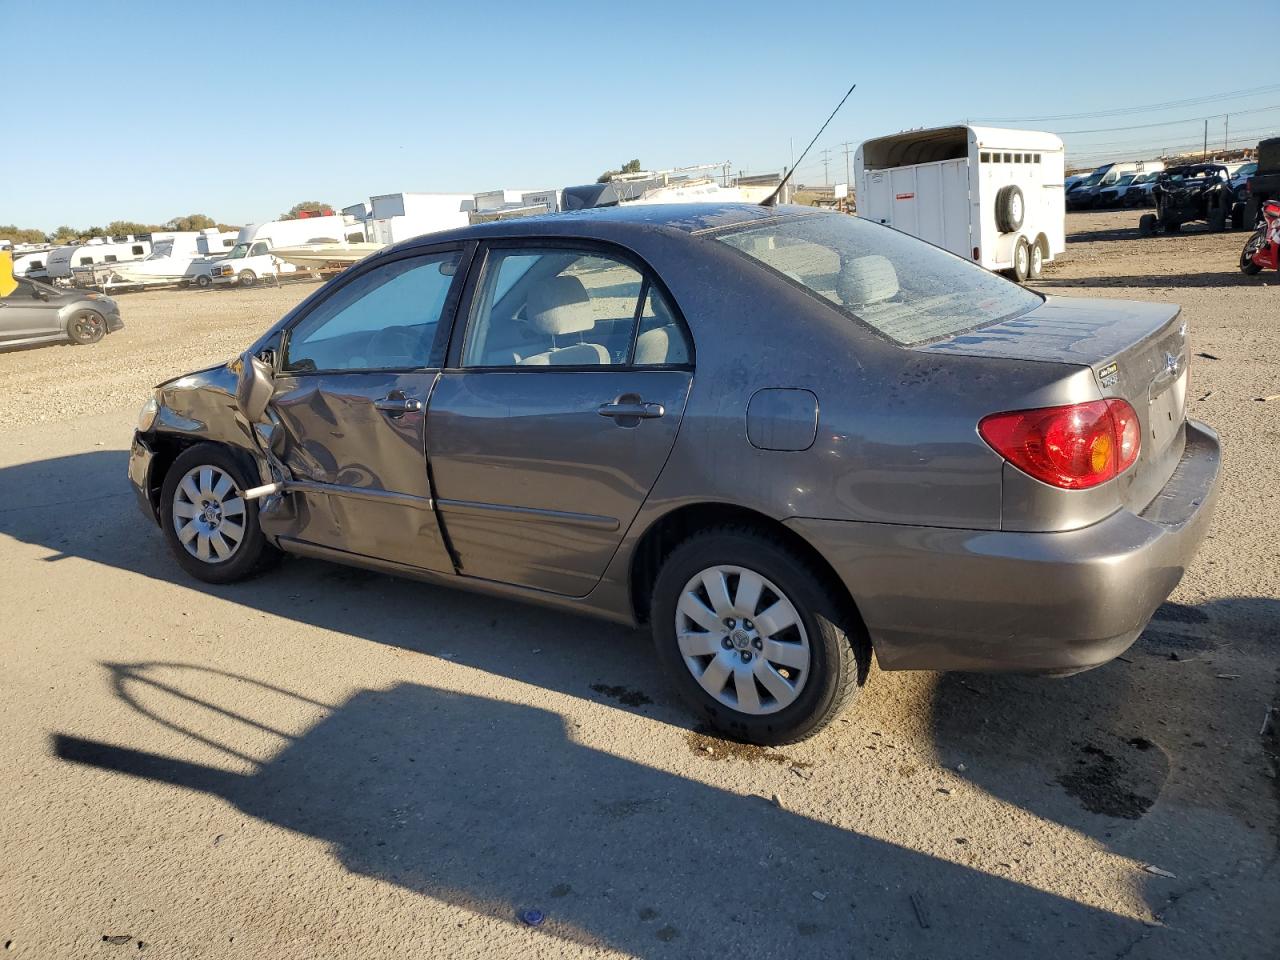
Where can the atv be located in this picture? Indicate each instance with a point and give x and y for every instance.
(1196, 191)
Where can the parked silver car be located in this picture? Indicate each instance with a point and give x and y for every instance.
(34, 312)
(784, 439)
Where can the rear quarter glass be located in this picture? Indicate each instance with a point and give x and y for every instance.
(910, 291)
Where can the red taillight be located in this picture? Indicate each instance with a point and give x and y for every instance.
(1072, 447)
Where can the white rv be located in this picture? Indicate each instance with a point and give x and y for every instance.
(398, 216)
(98, 250)
(990, 195)
(250, 259)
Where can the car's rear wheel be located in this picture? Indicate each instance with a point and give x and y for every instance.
(247, 278)
(212, 530)
(753, 636)
(86, 326)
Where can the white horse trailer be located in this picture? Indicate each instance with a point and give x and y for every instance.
(991, 195)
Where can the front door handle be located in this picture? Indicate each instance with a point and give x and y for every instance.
(398, 405)
(631, 410)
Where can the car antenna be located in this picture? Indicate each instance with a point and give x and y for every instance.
(772, 199)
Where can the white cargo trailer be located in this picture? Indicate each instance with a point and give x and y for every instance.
(990, 195)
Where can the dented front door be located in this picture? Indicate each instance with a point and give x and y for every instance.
(351, 393)
(364, 468)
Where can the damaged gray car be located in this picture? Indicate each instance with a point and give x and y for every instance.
(785, 440)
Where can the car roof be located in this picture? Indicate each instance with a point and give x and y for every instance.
(619, 223)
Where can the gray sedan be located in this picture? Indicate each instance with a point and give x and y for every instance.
(34, 312)
(785, 440)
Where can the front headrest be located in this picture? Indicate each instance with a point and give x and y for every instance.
(560, 305)
(867, 280)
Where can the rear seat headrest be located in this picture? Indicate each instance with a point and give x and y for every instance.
(560, 305)
(867, 280)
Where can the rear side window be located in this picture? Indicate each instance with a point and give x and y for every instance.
(908, 290)
(546, 307)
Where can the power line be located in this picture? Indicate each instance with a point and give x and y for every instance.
(1121, 111)
(1167, 123)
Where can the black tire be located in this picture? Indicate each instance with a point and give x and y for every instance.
(1021, 261)
(253, 552)
(86, 326)
(247, 278)
(1247, 266)
(839, 653)
(1011, 209)
(1237, 216)
(1147, 225)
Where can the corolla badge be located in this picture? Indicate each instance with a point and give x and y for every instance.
(1171, 363)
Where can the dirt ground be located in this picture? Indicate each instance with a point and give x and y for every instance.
(329, 763)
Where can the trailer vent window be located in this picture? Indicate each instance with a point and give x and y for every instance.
(986, 157)
(86, 261)
(1008, 158)
(1037, 158)
(137, 249)
(904, 288)
(109, 258)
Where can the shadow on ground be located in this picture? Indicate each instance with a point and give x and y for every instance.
(1158, 281)
(493, 806)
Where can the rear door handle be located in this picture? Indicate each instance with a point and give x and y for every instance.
(638, 410)
(398, 405)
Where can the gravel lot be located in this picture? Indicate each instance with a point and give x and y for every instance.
(329, 763)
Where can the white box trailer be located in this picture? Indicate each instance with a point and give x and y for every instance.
(987, 194)
(399, 216)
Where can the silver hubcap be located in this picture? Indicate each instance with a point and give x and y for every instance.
(1022, 259)
(742, 640)
(208, 514)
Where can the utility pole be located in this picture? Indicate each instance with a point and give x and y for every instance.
(846, 146)
(1206, 139)
(1226, 140)
(826, 163)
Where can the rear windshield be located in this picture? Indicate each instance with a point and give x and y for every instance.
(909, 290)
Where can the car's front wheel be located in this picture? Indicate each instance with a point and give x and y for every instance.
(212, 530)
(754, 637)
(247, 278)
(86, 326)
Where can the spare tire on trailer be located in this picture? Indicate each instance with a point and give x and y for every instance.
(1011, 208)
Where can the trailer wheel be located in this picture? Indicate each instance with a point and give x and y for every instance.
(1021, 260)
(1035, 268)
(247, 278)
(1011, 208)
(1147, 225)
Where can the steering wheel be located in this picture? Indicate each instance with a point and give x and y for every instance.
(394, 347)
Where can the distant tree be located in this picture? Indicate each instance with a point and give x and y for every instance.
(227, 228)
(191, 222)
(64, 234)
(631, 166)
(120, 228)
(308, 206)
(21, 234)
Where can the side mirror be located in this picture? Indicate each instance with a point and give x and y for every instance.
(43, 295)
(254, 388)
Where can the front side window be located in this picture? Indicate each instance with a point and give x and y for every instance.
(908, 290)
(385, 319)
(552, 307)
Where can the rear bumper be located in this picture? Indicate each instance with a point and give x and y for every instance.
(939, 599)
(140, 458)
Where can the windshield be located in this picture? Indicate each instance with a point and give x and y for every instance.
(162, 250)
(238, 251)
(908, 290)
(1090, 181)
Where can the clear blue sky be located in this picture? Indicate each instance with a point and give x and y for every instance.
(146, 111)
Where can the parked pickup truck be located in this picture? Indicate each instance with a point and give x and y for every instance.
(250, 259)
(1264, 185)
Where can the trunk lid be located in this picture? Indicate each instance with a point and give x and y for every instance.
(1137, 351)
